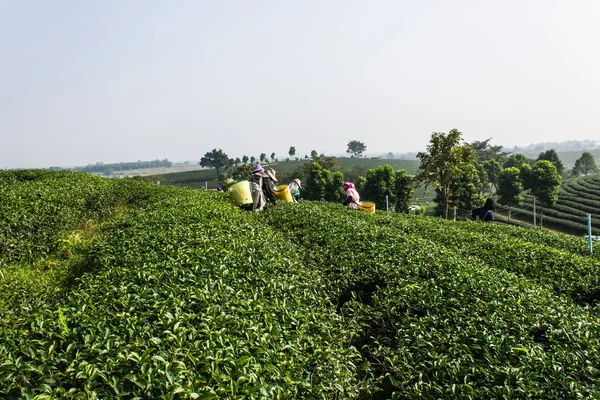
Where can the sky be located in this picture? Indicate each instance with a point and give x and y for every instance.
(125, 80)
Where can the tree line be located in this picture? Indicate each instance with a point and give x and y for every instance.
(123, 166)
(463, 174)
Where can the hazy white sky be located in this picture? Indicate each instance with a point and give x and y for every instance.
(126, 80)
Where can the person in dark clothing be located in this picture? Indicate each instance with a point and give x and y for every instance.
(262, 187)
(485, 213)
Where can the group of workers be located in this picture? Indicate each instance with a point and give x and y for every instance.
(262, 188)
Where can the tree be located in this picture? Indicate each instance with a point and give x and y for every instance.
(313, 154)
(316, 182)
(262, 157)
(544, 184)
(242, 172)
(379, 184)
(551, 156)
(516, 160)
(292, 151)
(468, 184)
(492, 168)
(585, 165)
(403, 190)
(334, 190)
(245, 159)
(509, 188)
(439, 164)
(484, 151)
(237, 161)
(252, 159)
(356, 148)
(215, 159)
(273, 157)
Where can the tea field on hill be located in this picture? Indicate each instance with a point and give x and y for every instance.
(577, 198)
(125, 289)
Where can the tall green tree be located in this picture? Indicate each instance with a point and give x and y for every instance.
(245, 159)
(403, 190)
(468, 185)
(263, 156)
(216, 159)
(439, 164)
(510, 188)
(586, 164)
(544, 183)
(313, 154)
(252, 159)
(551, 156)
(273, 157)
(316, 182)
(516, 160)
(334, 190)
(356, 148)
(379, 184)
(484, 151)
(292, 151)
(492, 169)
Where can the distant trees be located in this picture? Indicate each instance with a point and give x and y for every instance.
(439, 163)
(216, 159)
(252, 159)
(292, 151)
(584, 165)
(273, 157)
(262, 157)
(313, 154)
(245, 159)
(237, 161)
(356, 148)
(123, 166)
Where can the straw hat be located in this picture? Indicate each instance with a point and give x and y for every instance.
(271, 173)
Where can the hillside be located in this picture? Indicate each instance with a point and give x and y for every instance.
(577, 198)
(122, 288)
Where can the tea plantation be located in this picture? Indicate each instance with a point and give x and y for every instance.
(124, 289)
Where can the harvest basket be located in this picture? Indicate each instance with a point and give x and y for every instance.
(282, 193)
(367, 206)
(240, 193)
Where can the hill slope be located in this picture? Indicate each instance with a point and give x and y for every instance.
(577, 198)
(176, 293)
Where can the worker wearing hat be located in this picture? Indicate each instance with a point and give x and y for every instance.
(352, 196)
(294, 188)
(262, 186)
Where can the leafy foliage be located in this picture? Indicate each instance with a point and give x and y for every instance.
(584, 165)
(176, 293)
(439, 164)
(356, 148)
(216, 159)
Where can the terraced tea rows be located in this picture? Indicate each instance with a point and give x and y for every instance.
(176, 293)
(577, 198)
